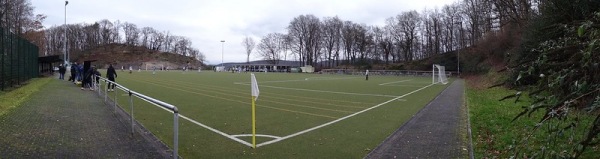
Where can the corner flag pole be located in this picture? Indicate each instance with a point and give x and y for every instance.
(253, 122)
(255, 93)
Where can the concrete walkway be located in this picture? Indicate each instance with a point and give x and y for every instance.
(434, 132)
(62, 121)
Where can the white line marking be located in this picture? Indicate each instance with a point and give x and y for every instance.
(305, 79)
(337, 120)
(204, 126)
(259, 135)
(310, 90)
(394, 82)
(329, 78)
(403, 85)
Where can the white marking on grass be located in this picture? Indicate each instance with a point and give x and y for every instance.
(302, 80)
(404, 85)
(329, 78)
(258, 135)
(394, 82)
(338, 120)
(204, 126)
(321, 91)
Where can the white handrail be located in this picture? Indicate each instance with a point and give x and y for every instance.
(153, 101)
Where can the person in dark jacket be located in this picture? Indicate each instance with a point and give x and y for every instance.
(61, 71)
(98, 74)
(87, 79)
(73, 77)
(111, 74)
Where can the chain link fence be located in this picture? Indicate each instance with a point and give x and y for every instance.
(18, 60)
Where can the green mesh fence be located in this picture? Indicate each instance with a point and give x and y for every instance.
(18, 60)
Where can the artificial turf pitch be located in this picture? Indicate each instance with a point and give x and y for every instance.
(297, 115)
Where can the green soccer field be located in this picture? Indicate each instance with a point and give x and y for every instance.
(297, 115)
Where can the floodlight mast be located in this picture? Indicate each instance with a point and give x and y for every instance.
(222, 52)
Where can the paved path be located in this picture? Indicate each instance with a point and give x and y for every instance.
(62, 121)
(432, 133)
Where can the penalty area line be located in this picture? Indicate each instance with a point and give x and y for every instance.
(340, 119)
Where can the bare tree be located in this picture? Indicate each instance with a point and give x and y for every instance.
(348, 34)
(105, 31)
(15, 15)
(452, 19)
(405, 28)
(332, 35)
(145, 39)
(157, 40)
(116, 35)
(131, 33)
(248, 44)
(269, 47)
(304, 31)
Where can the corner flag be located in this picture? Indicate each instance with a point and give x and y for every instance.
(255, 93)
(255, 90)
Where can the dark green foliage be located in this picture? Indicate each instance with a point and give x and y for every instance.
(559, 63)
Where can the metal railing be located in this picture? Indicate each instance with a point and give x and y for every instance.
(97, 85)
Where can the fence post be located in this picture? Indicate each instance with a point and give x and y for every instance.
(131, 104)
(176, 132)
(106, 91)
(115, 100)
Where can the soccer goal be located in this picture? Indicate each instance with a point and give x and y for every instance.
(439, 75)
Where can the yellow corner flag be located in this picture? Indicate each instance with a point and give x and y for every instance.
(255, 93)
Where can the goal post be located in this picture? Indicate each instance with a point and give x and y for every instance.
(438, 75)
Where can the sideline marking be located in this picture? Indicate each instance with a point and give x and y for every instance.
(340, 119)
(395, 82)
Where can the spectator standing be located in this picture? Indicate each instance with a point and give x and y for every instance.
(61, 71)
(73, 77)
(97, 74)
(111, 74)
(87, 79)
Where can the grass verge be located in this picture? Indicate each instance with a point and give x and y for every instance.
(495, 135)
(14, 98)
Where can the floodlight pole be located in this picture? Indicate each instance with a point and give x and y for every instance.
(65, 53)
(222, 52)
(459, 48)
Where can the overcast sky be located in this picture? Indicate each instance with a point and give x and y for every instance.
(207, 22)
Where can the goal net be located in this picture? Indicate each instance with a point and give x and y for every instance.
(439, 75)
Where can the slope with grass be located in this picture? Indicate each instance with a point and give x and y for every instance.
(496, 135)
